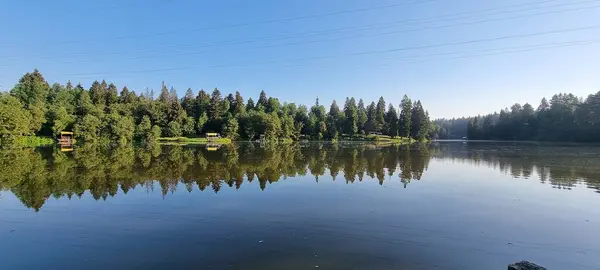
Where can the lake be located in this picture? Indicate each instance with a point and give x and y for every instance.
(444, 205)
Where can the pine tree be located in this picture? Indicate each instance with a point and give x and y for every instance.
(202, 103)
(351, 113)
(250, 105)
(391, 121)
(371, 125)
(333, 120)
(164, 96)
(189, 103)
(380, 115)
(230, 103)
(125, 96)
(112, 95)
(97, 94)
(405, 123)
(362, 116)
(262, 100)
(214, 111)
(238, 104)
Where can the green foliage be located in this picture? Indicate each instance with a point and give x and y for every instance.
(102, 115)
(216, 108)
(230, 129)
(351, 114)
(564, 118)
(119, 129)
(391, 122)
(101, 172)
(32, 89)
(14, 119)
(173, 129)
(405, 118)
(60, 119)
(189, 126)
(32, 141)
(87, 128)
(201, 122)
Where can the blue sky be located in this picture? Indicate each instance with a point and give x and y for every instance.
(459, 57)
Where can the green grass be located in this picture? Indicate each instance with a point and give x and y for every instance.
(377, 138)
(32, 141)
(185, 140)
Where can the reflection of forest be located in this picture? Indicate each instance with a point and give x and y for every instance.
(562, 166)
(35, 175)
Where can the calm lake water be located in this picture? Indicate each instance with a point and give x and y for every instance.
(447, 205)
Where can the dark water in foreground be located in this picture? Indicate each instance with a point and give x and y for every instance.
(449, 205)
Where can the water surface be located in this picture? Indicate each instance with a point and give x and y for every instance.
(447, 205)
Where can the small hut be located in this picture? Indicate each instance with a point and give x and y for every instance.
(212, 136)
(66, 138)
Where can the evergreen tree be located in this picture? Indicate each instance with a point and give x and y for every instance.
(112, 95)
(32, 91)
(164, 96)
(250, 105)
(405, 123)
(262, 99)
(214, 111)
(380, 115)
(126, 97)
(231, 104)
(371, 125)
(351, 113)
(362, 116)
(238, 107)
(391, 121)
(202, 103)
(334, 120)
(189, 103)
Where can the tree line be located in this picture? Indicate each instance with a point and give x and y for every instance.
(102, 113)
(565, 117)
(34, 175)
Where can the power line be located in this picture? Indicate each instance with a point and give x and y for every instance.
(251, 23)
(579, 43)
(340, 38)
(363, 53)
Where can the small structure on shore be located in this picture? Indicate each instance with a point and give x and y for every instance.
(212, 136)
(66, 138)
(65, 141)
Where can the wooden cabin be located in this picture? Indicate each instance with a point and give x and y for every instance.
(66, 138)
(213, 136)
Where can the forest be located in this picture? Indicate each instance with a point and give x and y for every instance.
(565, 118)
(105, 114)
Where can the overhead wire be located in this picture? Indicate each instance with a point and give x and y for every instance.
(334, 39)
(409, 48)
(250, 23)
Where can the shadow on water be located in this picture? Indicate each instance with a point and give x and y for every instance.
(34, 175)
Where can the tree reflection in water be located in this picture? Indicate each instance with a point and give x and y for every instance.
(34, 175)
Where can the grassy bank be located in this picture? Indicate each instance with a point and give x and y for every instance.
(355, 138)
(185, 140)
(377, 138)
(28, 141)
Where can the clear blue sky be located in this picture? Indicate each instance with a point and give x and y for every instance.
(297, 50)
